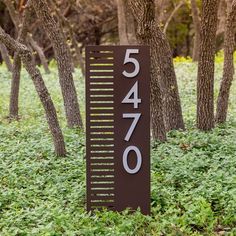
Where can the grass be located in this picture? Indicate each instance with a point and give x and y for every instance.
(193, 174)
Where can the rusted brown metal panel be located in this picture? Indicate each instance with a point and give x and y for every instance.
(112, 182)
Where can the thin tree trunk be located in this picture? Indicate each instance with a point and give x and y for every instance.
(64, 21)
(41, 89)
(180, 4)
(206, 65)
(16, 69)
(64, 61)
(122, 22)
(40, 53)
(6, 57)
(15, 88)
(228, 71)
(149, 33)
(197, 28)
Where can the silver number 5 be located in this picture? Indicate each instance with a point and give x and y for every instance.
(134, 61)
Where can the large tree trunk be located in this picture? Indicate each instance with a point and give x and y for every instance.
(228, 72)
(157, 119)
(41, 89)
(206, 65)
(162, 63)
(6, 57)
(64, 61)
(197, 26)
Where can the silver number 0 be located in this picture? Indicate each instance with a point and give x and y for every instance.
(125, 160)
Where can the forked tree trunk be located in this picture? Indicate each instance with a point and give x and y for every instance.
(41, 89)
(228, 71)
(163, 74)
(64, 61)
(197, 26)
(6, 57)
(206, 65)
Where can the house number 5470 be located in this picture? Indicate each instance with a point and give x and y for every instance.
(132, 98)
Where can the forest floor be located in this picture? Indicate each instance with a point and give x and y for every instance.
(193, 174)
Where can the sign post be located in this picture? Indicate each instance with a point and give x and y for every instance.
(118, 127)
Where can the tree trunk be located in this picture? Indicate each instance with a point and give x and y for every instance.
(15, 82)
(63, 58)
(228, 71)
(162, 63)
(67, 24)
(206, 65)
(41, 89)
(122, 22)
(197, 28)
(40, 53)
(15, 88)
(6, 57)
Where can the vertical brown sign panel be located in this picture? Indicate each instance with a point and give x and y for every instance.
(118, 127)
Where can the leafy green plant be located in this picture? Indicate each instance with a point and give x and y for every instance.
(193, 174)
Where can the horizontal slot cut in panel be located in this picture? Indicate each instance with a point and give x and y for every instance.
(101, 73)
(99, 54)
(102, 105)
(103, 172)
(101, 191)
(101, 86)
(102, 203)
(101, 92)
(101, 68)
(102, 161)
(102, 197)
(105, 185)
(99, 61)
(102, 166)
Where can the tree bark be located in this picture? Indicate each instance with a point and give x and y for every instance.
(163, 73)
(63, 58)
(228, 71)
(6, 57)
(41, 89)
(197, 28)
(206, 65)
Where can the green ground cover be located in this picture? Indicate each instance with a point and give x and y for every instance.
(193, 174)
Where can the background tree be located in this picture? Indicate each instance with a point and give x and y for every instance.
(41, 89)
(206, 65)
(163, 74)
(228, 71)
(64, 62)
(196, 23)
